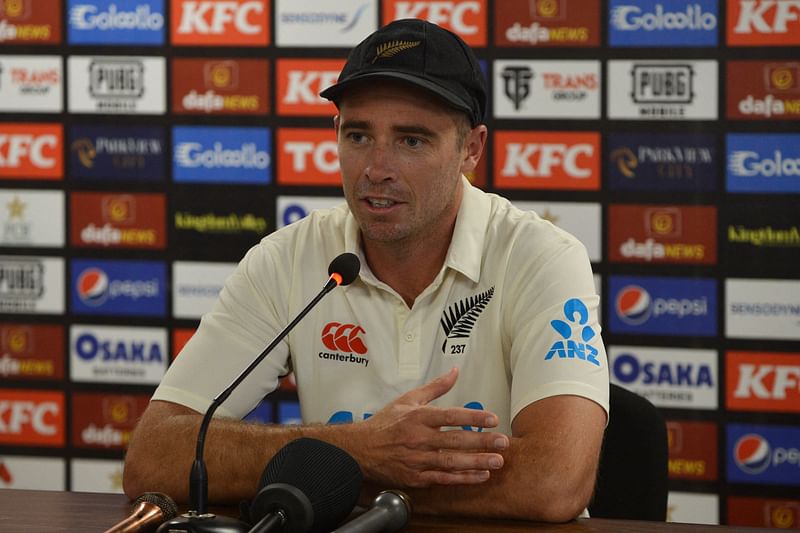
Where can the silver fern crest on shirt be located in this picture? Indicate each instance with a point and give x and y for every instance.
(459, 319)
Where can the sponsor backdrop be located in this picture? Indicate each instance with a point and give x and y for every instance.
(145, 145)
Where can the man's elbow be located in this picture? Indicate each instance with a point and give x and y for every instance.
(557, 502)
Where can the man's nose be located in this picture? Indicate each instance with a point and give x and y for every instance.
(380, 163)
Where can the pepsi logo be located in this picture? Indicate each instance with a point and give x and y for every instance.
(93, 286)
(752, 453)
(633, 305)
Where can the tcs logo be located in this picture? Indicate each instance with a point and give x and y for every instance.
(31, 151)
(308, 157)
(344, 338)
(221, 22)
(467, 18)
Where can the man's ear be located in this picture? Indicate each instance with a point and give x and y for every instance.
(474, 145)
(336, 121)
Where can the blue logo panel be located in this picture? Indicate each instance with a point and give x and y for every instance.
(763, 454)
(663, 23)
(661, 162)
(662, 306)
(125, 22)
(131, 153)
(763, 163)
(112, 287)
(221, 155)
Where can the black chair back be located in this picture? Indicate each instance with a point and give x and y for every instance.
(632, 480)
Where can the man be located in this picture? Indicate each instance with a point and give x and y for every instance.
(467, 313)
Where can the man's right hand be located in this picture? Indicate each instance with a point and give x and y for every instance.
(404, 443)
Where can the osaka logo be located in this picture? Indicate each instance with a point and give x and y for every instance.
(577, 314)
(633, 305)
(752, 453)
(93, 286)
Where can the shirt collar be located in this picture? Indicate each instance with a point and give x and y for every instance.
(466, 247)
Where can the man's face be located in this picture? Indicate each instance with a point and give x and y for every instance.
(401, 160)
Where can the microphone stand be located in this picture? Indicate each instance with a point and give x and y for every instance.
(198, 479)
(198, 519)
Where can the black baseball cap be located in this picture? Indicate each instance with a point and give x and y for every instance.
(420, 53)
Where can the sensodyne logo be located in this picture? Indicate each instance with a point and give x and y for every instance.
(577, 316)
(334, 18)
(459, 319)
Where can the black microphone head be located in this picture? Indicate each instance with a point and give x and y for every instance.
(326, 474)
(346, 265)
(162, 501)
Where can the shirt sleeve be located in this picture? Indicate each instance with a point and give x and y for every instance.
(556, 346)
(246, 316)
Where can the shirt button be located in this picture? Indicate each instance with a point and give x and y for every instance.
(409, 337)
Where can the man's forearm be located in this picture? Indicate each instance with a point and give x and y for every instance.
(236, 453)
(526, 488)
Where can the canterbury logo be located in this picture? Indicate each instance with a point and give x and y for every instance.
(459, 319)
(392, 48)
(343, 338)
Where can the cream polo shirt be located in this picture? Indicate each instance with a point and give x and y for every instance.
(514, 307)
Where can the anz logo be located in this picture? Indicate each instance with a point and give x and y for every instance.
(577, 316)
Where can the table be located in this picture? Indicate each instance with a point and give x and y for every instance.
(32, 511)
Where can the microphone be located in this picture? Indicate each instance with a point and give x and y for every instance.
(308, 486)
(389, 513)
(147, 512)
(343, 270)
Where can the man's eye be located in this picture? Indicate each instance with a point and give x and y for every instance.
(356, 137)
(413, 142)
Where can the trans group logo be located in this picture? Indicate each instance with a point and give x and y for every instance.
(117, 287)
(768, 163)
(222, 155)
(128, 22)
(661, 305)
(663, 23)
(763, 454)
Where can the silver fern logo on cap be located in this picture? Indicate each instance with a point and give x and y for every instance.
(392, 48)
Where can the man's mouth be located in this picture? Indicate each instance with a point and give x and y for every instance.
(380, 202)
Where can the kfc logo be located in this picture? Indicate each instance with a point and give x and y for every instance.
(758, 381)
(301, 80)
(223, 22)
(465, 18)
(308, 157)
(34, 418)
(31, 151)
(764, 22)
(547, 160)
